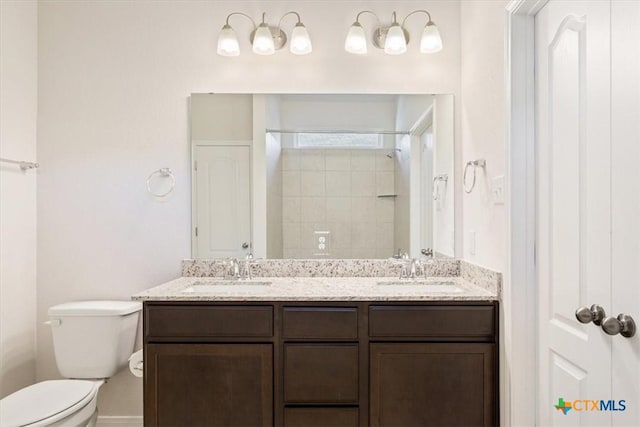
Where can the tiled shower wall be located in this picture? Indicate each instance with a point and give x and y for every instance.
(337, 191)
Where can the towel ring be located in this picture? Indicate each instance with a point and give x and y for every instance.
(476, 164)
(163, 172)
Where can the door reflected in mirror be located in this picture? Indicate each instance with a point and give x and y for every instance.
(345, 176)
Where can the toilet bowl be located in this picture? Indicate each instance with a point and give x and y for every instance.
(92, 341)
(52, 403)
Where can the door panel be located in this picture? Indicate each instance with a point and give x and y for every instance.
(625, 203)
(573, 185)
(433, 384)
(209, 385)
(223, 198)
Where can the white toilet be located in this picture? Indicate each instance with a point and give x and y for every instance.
(92, 341)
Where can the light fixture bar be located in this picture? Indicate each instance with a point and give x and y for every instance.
(392, 38)
(265, 39)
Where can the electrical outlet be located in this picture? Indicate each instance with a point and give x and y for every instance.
(497, 190)
(321, 243)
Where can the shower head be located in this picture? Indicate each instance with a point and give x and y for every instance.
(391, 153)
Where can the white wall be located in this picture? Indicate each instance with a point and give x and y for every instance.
(114, 80)
(273, 152)
(483, 124)
(443, 164)
(18, 112)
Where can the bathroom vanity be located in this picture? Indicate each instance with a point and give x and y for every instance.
(320, 351)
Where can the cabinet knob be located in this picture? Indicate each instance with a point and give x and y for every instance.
(594, 314)
(245, 245)
(623, 325)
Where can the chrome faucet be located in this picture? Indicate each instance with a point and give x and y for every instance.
(409, 267)
(238, 271)
(248, 260)
(233, 272)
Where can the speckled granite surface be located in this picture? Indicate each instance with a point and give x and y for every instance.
(483, 277)
(318, 289)
(330, 280)
(441, 267)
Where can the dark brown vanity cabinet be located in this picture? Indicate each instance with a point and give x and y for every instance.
(329, 364)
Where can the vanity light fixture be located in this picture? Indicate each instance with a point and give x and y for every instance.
(265, 39)
(393, 38)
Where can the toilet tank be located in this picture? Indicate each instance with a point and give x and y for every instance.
(93, 339)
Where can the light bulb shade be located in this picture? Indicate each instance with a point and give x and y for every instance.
(300, 41)
(263, 41)
(395, 44)
(228, 42)
(430, 41)
(356, 42)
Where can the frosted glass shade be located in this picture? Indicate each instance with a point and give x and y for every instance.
(300, 41)
(395, 44)
(356, 41)
(430, 41)
(228, 42)
(263, 41)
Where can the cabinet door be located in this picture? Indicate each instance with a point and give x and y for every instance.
(208, 385)
(432, 385)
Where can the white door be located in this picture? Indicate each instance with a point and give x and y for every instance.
(573, 245)
(588, 241)
(222, 201)
(625, 203)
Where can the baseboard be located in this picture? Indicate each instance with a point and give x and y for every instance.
(131, 421)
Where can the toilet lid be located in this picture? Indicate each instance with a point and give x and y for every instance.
(45, 400)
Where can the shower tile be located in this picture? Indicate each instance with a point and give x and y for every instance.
(312, 160)
(291, 235)
(363, 160)
(290, 160)
(290, 183)
(363, 235)
(363, 209)
(338, 183)
(312, 184)
(338, 209)
(312, 209)
(385, 209)
(384, 183)
(291, 209)
(337, 160)
(340, 235)
(384, 163)
(363, 184)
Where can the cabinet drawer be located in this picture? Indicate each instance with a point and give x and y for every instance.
(321, 417)
(209, 321)
(432, 321)
(321, 373)
(320, 323)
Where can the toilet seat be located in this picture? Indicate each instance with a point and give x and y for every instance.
(46, 402)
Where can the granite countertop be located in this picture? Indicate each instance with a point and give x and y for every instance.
(321, 289)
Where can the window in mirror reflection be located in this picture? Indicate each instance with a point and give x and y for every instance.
(337, 140)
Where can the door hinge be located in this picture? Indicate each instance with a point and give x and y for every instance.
(196, 231)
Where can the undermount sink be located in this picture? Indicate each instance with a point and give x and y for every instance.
(428, 286)
(210, 287)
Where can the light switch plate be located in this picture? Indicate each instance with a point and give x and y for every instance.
(497, 190)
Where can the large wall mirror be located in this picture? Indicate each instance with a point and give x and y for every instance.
(322, 176)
